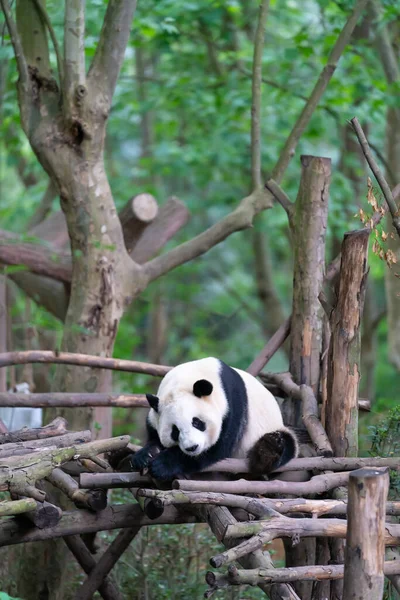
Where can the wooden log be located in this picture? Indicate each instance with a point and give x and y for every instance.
(172, 216)
(45, 515)
(112, 480)
(310, 573)
(82, 360)
(13, 531)
(22, 472)
(317, 485)
(284, 527)
(276, 341)
(57, 427)
(135, 216)
(106, 563)
(320, 463)
(77, 546)
(344, 351)
(310, 220)
(61, 441)
(16, 507)
(94, 500)
(219, 519)
(59, 399)
(366, 535)
(256, 506)
(281, 526)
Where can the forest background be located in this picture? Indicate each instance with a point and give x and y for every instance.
(180, 126)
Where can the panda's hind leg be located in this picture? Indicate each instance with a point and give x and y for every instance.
(271, 451)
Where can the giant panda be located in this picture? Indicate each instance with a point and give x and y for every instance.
(205, 411)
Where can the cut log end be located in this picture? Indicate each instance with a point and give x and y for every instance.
(144, 207)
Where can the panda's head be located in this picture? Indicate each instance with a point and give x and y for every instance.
(189, 411)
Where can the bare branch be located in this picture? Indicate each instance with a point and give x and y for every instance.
(282, 198)
(74, 53)
(256, 93)
(17, 45)
(239, 219)
(383, 184)
(39, 259)
(64, 399)
(83, 360)
(104, 70)
(270, 348)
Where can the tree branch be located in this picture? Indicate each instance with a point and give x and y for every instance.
(39, 259)
(383, 184)
(83, 360)
(43, 13)
(270, 348)
(74, 54)
(256, 94)
(17, 45)
(241, 218)
(282, 198)
(107, 61)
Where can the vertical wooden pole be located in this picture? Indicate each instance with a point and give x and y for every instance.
(344, 363)
(365, 540)
(310, 219)
(344, 351)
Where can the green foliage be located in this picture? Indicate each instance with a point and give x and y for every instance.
(386, 442)
(4, 596)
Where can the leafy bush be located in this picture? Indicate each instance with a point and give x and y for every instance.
(386, 442)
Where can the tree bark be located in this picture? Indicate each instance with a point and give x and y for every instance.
(365, 540)
(344, 352)
(310, 219)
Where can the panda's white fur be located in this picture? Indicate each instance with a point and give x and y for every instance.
(205, 411)
(178, 406)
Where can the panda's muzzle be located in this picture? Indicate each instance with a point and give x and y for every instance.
(192, 448)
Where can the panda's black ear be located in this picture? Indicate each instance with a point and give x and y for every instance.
(202, 387)
(153, 401)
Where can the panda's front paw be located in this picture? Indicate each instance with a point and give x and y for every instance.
(161, 468)
(141, 459)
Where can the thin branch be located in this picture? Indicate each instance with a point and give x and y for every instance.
(43, 13)
(383, 184)
(74, 53)
(17, 45)
(318, 91)
(83, 360)
(283, 199)
(270, 348)
(110, 51)
(256, 94)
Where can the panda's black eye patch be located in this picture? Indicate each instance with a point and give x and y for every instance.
(174, 433)
(198, 424)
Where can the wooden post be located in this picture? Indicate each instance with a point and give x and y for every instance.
(365, 545)
(344, 351)
(310, 219)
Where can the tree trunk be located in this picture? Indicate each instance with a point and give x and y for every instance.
(310, 219)
(344, 352)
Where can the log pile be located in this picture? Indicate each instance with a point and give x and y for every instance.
(244, 514)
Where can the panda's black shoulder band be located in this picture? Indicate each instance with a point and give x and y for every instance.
(202, 387)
